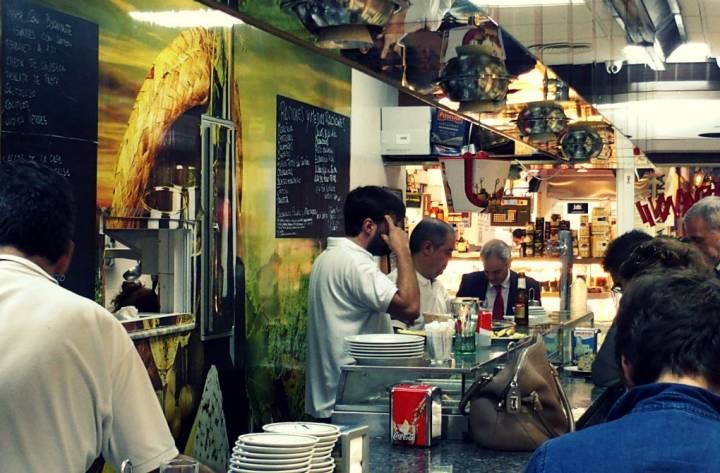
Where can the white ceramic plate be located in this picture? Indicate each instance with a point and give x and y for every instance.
(575, 369)
(281, 450)
(294, 456)
(386, 348)
(315, 429)
(271, 461)
(269, 466)
(383, 357)
(323, 464)
(245, 470)
(322, 470)
(375, 338)
(269, 439)
(388, 345)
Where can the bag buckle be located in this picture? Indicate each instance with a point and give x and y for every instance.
(513, 399)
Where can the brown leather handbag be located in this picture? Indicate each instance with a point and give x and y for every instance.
(522, 405)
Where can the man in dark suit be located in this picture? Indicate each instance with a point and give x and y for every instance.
(496, 285)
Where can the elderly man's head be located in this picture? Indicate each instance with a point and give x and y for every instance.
(702, 226)
(495, 255)
(431, 244)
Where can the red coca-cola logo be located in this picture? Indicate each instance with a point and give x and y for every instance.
(401, 437)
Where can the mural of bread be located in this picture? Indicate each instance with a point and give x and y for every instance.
(178, 80)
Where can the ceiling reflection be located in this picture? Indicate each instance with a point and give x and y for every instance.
(452, 55)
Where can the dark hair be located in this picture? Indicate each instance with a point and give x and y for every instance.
(518, 233)
(135, 294)
(37, 210)
(662, 254)
(371, 202)
(433, 230)
(670, 322)
(618, 251)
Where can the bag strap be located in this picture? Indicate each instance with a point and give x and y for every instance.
(566, 408)
(474, 387)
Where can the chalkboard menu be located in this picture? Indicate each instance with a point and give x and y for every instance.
(312, 170)
(49, 111)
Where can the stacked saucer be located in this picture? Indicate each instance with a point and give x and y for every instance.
(384, 346)
(327, 435)
(273, 452)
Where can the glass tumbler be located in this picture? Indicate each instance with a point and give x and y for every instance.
(180, 465)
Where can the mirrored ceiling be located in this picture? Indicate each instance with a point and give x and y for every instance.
(459, 56)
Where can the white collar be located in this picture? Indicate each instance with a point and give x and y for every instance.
(422, 280)
(505, 284)
(345, 242)
(27, 264)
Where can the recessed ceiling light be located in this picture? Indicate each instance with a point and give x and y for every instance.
(690, 52)
(186, 18)
(526, 3)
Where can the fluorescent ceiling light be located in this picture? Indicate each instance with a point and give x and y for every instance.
(636, 54)
(186, 18)
(690, 52)
(526, 3)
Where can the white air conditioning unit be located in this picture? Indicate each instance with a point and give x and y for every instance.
(405, 131)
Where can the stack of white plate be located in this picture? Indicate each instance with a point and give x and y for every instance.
(381, 345)
(327, 435)
(537, 315)
(272, 452)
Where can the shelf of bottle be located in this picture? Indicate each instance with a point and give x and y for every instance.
(590, 295)
(556, 258)
(476, 255)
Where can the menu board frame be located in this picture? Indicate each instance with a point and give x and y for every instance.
(312, 170)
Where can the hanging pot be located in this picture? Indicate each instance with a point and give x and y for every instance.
(343, 24)
(581, 143)
(477, 80)
(541, 122)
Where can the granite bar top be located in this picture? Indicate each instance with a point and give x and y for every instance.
(464, 456)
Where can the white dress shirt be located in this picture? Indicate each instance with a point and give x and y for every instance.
(348, 295)
(490, 294)
(433, 299)
(73, 385)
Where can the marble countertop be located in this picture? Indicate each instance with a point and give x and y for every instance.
(461, 456)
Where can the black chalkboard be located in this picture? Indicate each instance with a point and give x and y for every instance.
(50, 111)
(312, 171)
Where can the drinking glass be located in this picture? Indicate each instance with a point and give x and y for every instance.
(180, 465)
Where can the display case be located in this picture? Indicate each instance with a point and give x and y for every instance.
(364, 391)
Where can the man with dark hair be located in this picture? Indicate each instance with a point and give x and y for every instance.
(73, 385)
(618, 251)
(668, 344)
(349, 295)
(605, 371)
(431, 245)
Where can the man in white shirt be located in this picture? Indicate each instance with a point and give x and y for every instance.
(431, 245)
(73, 386)
(349, 295)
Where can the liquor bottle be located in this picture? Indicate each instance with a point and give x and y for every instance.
(461, 245)
(521, 303)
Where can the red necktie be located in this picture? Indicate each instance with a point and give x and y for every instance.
(499, 305)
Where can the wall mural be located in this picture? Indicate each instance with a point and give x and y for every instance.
(277, 270)
(155, 82)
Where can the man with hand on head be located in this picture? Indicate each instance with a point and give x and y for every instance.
(73, 385)
(350, 295)
(431, 245)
